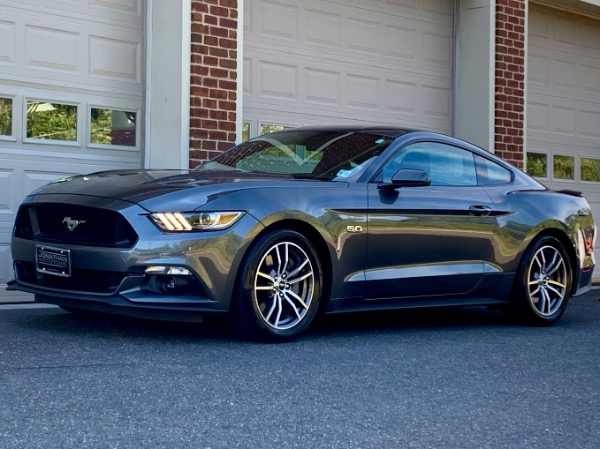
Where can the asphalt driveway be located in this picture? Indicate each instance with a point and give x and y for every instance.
(463, 378)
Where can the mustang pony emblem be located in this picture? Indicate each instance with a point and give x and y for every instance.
(72, 224)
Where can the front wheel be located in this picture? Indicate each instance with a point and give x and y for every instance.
(279, 288)
(544, 283)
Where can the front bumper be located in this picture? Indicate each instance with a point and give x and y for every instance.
(115, 279)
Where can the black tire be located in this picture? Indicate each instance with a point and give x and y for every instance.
(543, 283)
(278, 289)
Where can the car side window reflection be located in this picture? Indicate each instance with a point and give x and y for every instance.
(447, 165)
(490, 173)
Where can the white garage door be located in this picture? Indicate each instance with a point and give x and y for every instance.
(563, 105)
(70, 96)
(341, 61)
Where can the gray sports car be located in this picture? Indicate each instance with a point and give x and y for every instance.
(296, 222)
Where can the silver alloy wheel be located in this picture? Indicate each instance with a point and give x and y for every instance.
(284, 285)
(547, 280)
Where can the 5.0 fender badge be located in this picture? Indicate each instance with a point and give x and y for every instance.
(354, 228)
(71, 223)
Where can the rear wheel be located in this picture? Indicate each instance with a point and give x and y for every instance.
(544, 283)
(279, 288)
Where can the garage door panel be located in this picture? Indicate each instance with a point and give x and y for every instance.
(589, 125)
(589, 79)
(8, 49)
(434, 11)
(563, 115)
(349, 33)
(128, 12)
(563, 104)
(590, 36)
(335, 61)
(390, 97)
(80, 61)
(49, 49)
(113, 59)
(322, 87)
(75, 54)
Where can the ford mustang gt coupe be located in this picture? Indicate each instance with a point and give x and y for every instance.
(292, 223)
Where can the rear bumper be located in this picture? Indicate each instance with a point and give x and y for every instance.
(585, 282)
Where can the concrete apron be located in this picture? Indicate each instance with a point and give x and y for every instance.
(7, 297)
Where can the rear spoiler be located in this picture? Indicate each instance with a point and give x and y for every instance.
(572, 193)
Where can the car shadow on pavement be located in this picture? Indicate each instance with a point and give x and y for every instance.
(103, 325)
(582, 311)
(216, 328)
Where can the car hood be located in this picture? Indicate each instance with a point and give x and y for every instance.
(154, 189)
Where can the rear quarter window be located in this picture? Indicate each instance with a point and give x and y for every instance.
(489, 173)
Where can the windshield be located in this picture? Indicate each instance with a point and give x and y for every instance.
(305, 154)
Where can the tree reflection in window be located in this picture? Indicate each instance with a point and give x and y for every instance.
(245, 131)
(537, 165)
(6, 116)
(113, 127)
(564, 167)
(271, 128)
(590, 169)
(53, 121)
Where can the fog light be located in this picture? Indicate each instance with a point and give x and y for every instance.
(168, 270)
(172, 285)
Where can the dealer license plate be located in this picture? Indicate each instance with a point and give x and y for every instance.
(55, 261)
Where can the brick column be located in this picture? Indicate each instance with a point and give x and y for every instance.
(510, 80)
(213, 89)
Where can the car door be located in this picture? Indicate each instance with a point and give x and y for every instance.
(428, 240)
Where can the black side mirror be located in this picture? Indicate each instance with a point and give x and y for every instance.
(407, 177)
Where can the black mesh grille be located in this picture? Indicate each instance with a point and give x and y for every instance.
(72, 224)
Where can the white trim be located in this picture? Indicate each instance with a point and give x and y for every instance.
(455, 70)
(474, 72)
(492, 76)
(526, 87)
(148, 83)
(239, 104)
(168, 68)
(186, 69)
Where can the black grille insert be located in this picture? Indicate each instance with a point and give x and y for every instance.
(73, 224)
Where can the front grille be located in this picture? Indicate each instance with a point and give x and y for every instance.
(73, 224)
(93, 281)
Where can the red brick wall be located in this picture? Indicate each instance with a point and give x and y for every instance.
(510, 80)
(213, 78)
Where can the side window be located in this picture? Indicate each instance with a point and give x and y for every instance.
(491, 174)
(447, 165)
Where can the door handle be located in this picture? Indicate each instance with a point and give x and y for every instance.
(480, 211)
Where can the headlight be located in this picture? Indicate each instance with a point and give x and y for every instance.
(194, 221)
